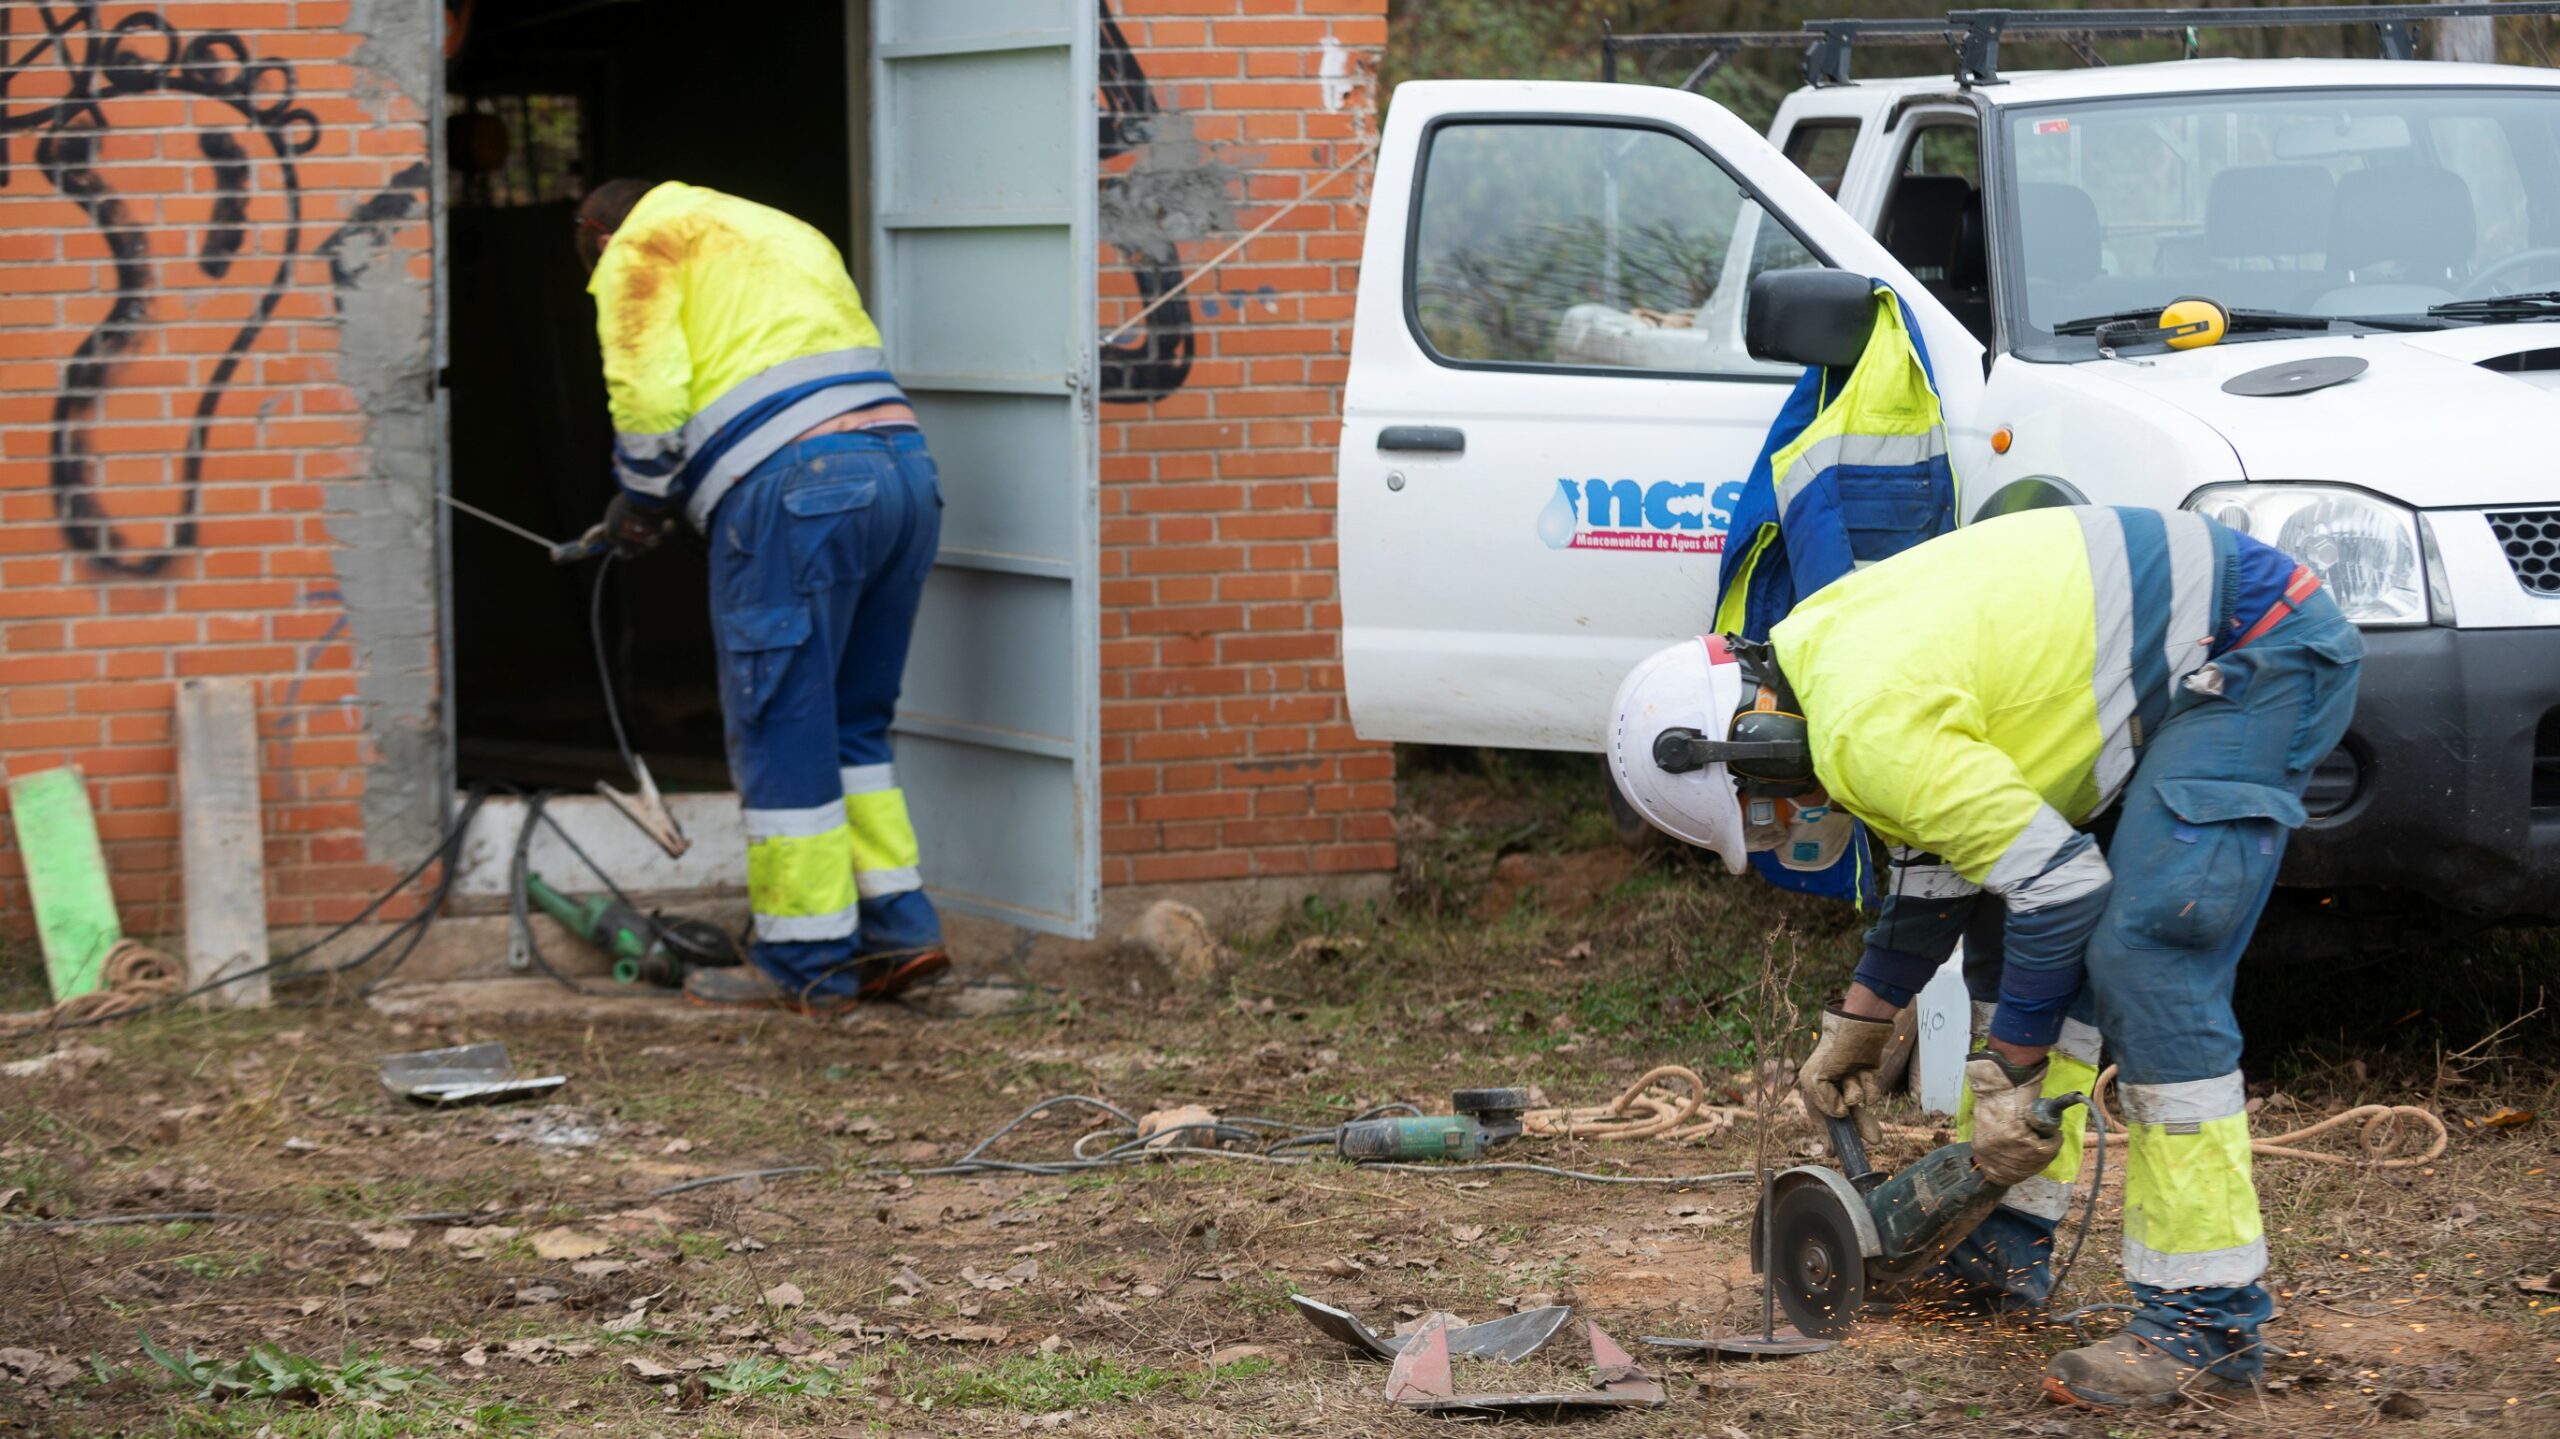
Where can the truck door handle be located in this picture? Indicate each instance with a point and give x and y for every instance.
(1434, 439)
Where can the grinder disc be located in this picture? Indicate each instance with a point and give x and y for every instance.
(1820, 1277)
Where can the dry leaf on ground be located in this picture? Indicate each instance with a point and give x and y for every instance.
(569, 1244)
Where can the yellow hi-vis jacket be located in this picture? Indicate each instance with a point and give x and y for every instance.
(728, 328)
(1979, 695)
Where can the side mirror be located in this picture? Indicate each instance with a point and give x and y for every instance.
(1809, 317)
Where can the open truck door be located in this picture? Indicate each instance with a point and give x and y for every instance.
(1549, 414)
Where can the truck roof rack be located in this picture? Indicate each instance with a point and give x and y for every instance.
(1975, 35)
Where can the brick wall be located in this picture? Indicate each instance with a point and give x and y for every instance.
(1227, 752)
(194, 199)
(218, 436)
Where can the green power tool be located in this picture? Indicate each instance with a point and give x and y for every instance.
(1480, 1118)
(1831, 1241)
(644, 948)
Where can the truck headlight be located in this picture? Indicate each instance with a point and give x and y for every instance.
(2364, 548)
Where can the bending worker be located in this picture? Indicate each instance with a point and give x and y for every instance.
(750, 397)
(1982, 701)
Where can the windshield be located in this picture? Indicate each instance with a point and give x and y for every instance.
(2332, 202)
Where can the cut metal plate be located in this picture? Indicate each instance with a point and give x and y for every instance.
(1815, 1266)
(2295, 377)
(1512, 1338)
(1782, 1343)
(466, 1074)
(1421, 1380)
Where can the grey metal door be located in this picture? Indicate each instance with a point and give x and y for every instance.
(983, 176)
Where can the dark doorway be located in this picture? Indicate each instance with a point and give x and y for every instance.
(544, 101)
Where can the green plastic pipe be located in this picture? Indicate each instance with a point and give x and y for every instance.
(66, 877)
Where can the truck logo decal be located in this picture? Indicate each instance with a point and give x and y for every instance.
(1666, 516)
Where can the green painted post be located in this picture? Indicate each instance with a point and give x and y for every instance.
(67, 876)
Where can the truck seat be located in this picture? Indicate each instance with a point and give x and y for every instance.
(2268, 212)
(1933, 225)
(2064, 239)
(2417, 218)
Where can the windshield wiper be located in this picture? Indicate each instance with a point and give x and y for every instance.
(2529, 304)
(2240, 320)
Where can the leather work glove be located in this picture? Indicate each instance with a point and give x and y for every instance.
(2009, 1142)
(1839, 1078)
(631, 530)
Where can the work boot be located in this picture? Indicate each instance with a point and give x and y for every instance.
(2126, 1372)
(744, 986)
(890, 975)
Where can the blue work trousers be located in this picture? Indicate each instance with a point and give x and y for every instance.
(818, 560)
(2196, 841)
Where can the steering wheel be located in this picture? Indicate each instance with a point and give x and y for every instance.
(2478, 285)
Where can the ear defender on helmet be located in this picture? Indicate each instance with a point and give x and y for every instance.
(1704, 724)
(1766, 746)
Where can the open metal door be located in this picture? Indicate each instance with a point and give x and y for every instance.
(983, 187)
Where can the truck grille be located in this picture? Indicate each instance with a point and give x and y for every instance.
(2531, 539)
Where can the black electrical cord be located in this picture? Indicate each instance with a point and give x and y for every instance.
(414, 929)
(604, 671)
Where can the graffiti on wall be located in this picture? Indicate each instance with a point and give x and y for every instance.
(1169, 190)
(82, 73)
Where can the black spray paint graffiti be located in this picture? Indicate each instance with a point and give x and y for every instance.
(1171, 192)
(142, 54)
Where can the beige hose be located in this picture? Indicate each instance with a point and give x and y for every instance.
(2387, 1127)
(133, 977)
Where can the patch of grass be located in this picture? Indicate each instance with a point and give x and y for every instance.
(1045, 1383)
(269, 1372)
(764, 1378)
(40, 1175)
(215, 1266)
(1259, 1293)
(134, 1236)
(503, 1418)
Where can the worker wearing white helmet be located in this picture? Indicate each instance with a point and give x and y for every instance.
(1992, 704)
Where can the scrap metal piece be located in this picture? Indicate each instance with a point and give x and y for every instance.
(466, 1074)
(1421, 1380)
(1510, 1339)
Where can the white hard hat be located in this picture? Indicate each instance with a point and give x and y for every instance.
(1695, 684)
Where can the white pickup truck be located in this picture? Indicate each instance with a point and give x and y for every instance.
(1550, 409)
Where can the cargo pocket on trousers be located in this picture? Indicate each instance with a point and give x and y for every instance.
(817, 507)
(2340, 650)
(757, 646)
(2224, 836)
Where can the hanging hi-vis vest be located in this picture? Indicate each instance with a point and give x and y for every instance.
(728, 328)
(1855, 470)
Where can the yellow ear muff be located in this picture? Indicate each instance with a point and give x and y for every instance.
(2192, 322)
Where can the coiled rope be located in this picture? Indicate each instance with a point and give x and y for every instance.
(2388, 1129)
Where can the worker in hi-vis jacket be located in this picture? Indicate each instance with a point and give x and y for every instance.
(751, 399)
(2083, 736)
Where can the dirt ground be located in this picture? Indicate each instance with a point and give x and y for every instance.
(566, 1295)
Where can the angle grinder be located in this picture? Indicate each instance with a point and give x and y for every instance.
(1479, 1118)
(1833, 1238)
(644, 948)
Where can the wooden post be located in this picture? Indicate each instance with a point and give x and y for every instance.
(223, 846)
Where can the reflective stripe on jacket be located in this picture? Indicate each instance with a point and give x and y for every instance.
(1979, 695)
(1855, 470)
(728, 328)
